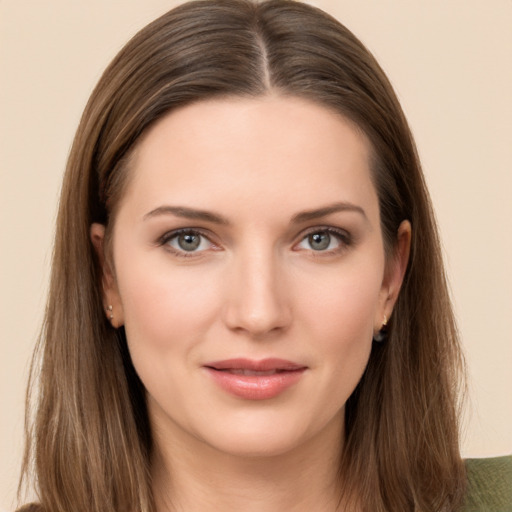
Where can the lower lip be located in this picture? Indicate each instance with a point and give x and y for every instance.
(256, 387)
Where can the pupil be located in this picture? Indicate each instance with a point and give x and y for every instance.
(319, 241)
(188, 242)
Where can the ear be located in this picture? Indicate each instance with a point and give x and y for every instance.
(394, 275)
(112, 305)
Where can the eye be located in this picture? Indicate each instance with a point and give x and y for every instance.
(186, 241)
(324, 240)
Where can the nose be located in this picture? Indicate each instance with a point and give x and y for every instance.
(257, 303)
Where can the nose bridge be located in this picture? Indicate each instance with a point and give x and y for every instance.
(257, 300)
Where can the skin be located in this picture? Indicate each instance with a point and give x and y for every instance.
(257, 286)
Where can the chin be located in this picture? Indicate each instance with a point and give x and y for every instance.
(271, 435)
(256, 445)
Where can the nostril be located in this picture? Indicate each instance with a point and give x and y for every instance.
(264, 321)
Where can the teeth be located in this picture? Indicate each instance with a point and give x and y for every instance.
(252, 372)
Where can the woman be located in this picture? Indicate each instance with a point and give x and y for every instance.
(248, 308)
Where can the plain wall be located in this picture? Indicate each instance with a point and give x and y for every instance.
(450, 62)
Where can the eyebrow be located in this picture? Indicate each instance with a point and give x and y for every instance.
(204, 215)
(327, 210)
(187, 213)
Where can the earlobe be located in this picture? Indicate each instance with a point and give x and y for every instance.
(112, 305)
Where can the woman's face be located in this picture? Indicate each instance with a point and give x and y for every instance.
(250, 272)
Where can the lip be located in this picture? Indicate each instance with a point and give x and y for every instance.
(255, 380)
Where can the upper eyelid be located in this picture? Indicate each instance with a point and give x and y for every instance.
(330, 229)
(326, 227)
(175, 232)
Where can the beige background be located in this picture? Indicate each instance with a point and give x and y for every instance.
(450, 61)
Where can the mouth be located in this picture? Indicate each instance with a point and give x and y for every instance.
(255, 380)
(249, 365)
(241, 371)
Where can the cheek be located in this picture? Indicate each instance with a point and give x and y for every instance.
(339, 318)
(343, 303)
(345, 333)
(161, 304)
(168, 315)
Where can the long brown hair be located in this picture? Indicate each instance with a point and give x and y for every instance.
(88, 434)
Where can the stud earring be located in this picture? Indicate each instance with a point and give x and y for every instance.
(109, 311)
(382, 334)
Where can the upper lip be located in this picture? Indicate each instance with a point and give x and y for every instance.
(261, 365)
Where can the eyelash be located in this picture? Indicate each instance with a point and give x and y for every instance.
(343, 237)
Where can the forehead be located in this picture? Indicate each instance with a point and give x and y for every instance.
(258, 152)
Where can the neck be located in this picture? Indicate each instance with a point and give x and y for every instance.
(192, 476)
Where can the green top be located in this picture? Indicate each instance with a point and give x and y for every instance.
(489, 485)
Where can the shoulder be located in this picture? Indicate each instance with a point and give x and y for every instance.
(489, 485)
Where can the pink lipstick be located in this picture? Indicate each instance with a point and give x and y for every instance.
(255, 380)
